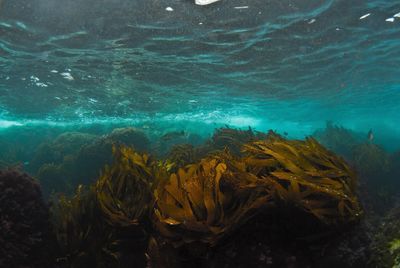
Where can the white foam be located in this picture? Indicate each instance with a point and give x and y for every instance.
(204, 2)
(312, 21)
(365, 16)
(40, 84)
(67, 76)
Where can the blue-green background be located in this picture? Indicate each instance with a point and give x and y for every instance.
(278, 64)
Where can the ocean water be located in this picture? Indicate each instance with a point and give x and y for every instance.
(173, 67)
(284, 65)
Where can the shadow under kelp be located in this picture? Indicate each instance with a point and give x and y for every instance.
(24, 222)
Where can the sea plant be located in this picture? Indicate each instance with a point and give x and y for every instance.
(306, 175)
(234, 139)
(204, 202)
(123, 189)
(181, 155)
(84, 238)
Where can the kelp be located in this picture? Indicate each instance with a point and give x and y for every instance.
(195, 203)
(234, 139)
(203, 202)
(306, 175)
(338, 139)
(102, 226)
(181, 155)
(123, 190)
(84, 239)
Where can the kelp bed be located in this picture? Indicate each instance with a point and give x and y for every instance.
(167, 213)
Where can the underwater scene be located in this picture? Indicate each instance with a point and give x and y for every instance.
(199, 133)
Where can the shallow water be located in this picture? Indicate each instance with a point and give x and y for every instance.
(73, 71)
(276, 65)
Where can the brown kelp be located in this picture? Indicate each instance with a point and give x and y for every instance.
(233, 139)
(204, 202)
(307, 175)
(83, 237)
(196, 201)
(181, 155)
(24, 222)
(100, 226)
(123, 190)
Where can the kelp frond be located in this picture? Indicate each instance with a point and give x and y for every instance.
(123, 190)
(308, 175)
(203, 202)
(82, 236)
(234, 139)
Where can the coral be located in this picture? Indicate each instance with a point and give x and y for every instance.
(305, 174)
(24, 221)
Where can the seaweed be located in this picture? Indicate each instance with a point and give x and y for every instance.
(181, 155)
(338, 139)
(306, 175)
(101, 226)
(84, 239)
(123, 190)
(204, 202)
(233, 139)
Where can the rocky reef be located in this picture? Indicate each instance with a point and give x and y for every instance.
(24, 222)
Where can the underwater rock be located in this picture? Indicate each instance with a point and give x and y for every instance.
(24, 222)
(386, 242)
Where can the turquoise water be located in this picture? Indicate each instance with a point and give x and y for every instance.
(283, 65)
(192, 84)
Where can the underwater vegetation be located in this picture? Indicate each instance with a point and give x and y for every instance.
(338, 139)
(76, 158)
(233, 139)
(24, 222)
(183, 208)
(306, 174)
(377, 169)
(103, 225)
